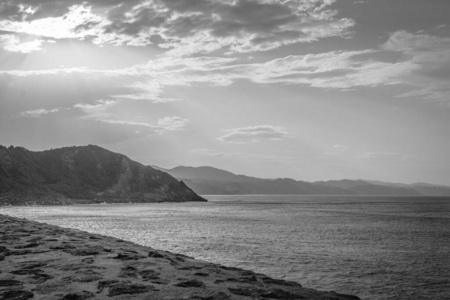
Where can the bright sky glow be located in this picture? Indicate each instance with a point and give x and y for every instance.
(308, 89)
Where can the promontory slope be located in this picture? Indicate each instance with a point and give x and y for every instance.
(85, 174)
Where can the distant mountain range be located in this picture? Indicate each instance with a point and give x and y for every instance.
(212, 181)
(87, 174)
(91, 174)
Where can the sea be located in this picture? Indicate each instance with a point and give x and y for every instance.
(372, 247)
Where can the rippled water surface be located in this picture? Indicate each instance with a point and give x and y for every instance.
(373, 247)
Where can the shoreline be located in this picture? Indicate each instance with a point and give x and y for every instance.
(39, 261)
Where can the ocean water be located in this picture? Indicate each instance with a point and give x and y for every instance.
(372, 247)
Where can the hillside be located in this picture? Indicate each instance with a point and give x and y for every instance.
(87, 174)
(212, 181)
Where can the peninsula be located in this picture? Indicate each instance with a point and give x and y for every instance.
(83, 175)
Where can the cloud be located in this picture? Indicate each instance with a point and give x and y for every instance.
(172, 123)
(330, 70)
(93, 107)
(251, 134)
(415, 43)
(74, 24)
(336, 70)
(59, 129)
(247, 26)
(135, 129)
(60, 71)
(418, 62)
(430, 56)
(95, 120)
(182, 27)
(39, 112)
(162, 126)
(99, 112)
(11, 43)
(147, 81)
(151, 90)
(22, 91)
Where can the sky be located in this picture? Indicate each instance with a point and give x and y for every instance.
(306, 89)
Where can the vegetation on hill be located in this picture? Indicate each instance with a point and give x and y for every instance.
(87, 174)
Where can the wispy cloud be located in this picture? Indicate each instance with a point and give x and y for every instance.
(151, 91)
(92, 107)
(100, 113)
(38, 112)
(97, 110)
(336, 69)
(146, 129)
(252, 134)
(422, 66)
(430, 56)
(62, 70)
(424, 69)
(172, 123)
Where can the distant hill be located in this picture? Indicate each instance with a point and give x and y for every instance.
(365, 188)
(423, 188)
(212, 181)
(87, 174)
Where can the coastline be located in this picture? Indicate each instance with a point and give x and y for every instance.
(45, 261)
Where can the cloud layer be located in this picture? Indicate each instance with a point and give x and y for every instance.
(419, 63)
(198, 37)
(183, 27)
(253, 134)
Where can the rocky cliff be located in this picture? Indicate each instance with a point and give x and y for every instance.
(87, 174)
